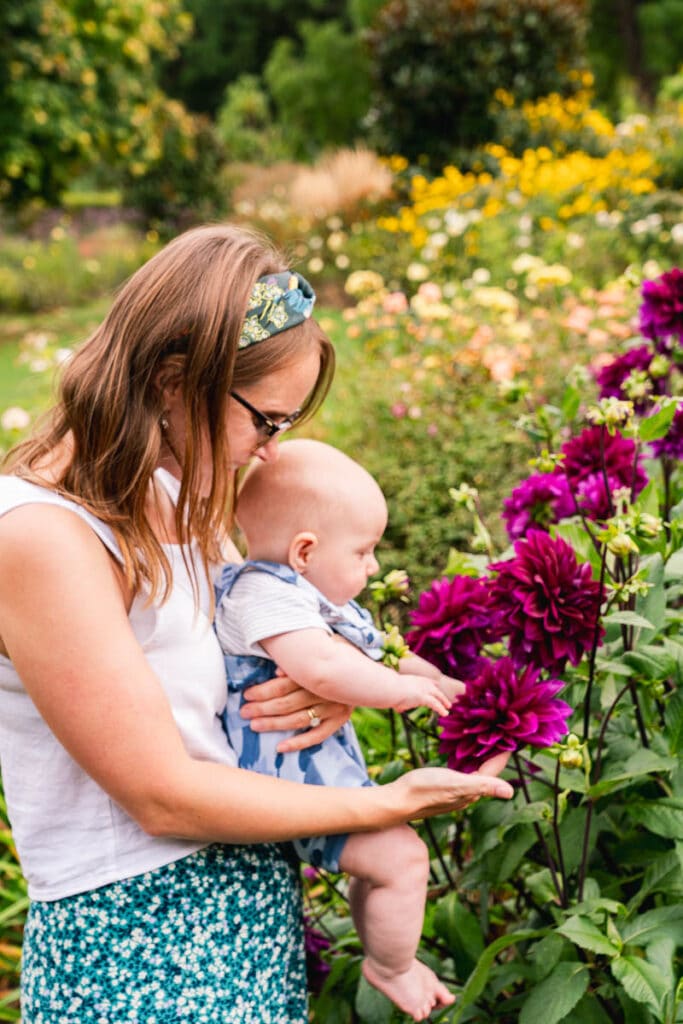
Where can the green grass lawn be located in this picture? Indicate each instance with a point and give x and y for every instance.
(64, 327)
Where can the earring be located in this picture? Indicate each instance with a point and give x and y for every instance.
(163, 422)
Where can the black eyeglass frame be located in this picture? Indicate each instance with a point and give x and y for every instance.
(264, 423)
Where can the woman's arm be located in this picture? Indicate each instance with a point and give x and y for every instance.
(64, 622)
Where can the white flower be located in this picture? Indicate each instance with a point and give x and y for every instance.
(481, 275)
(315, 265)
(525, 262)
(14, 418)
(455, 222)
(677, 233)
(417, 272)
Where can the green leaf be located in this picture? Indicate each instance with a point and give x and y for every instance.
(476, 982)
(655, 426)
(653, 924)
(459, 928)
(663, 817)
(642, 762)
(584, 933)
(641, 980)
(571, 400)
(627, 618)
(673, 717)
(673, 570)
(556, 995)
(371, 1006)
(661, 874)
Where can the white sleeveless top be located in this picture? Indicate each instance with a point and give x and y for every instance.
(69, 834)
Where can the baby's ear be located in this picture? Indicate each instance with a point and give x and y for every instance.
(301, 550)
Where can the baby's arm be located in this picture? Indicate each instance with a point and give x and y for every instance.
(417, 666)
(341, 672)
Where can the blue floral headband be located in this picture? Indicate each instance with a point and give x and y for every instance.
(277, 302)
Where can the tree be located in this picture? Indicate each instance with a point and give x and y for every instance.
(79, 86)
(235, 37)
(321, 91)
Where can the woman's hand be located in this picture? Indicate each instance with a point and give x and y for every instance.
(281, 704)
(426, 792)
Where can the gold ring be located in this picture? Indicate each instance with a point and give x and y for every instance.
(313, 718)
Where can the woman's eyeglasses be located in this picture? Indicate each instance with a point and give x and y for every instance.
(264, 424)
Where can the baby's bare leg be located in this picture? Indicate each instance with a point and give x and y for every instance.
(389, 872)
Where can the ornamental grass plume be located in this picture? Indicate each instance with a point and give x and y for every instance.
(502, 710)
(539, 501)
(661, 311)
(451, 623)
(548, 602)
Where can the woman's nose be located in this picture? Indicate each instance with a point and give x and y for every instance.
(269, 452)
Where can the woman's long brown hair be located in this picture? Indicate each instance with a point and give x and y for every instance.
(184, 308)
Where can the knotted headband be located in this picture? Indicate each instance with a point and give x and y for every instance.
(277, 302)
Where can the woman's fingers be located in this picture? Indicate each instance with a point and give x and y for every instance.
(431, 791)
(332, 717)
(277, 697)
(494, 765)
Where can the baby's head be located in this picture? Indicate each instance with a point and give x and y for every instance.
(318, 511)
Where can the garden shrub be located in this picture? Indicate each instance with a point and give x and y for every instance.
(244, 124)
(321, 91)
(437, 64)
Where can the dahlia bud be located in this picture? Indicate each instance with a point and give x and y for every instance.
(622, 545)
(612, 413)
(659, 366)
(648, 525)
(571, 759)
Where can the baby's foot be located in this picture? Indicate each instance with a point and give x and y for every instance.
(416, 991)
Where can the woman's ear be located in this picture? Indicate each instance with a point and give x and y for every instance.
(301, 550)
(168, 381)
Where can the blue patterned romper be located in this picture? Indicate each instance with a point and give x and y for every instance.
(337, 761)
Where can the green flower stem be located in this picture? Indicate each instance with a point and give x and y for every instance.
(591, 802)
(594, 653)
(556, 833)
(539, 835)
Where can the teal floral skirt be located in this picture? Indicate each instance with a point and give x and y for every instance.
(214, 937)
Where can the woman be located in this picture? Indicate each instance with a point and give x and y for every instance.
(133, 825)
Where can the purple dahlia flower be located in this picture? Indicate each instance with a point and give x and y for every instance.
(661, 312)
(594, 455)
(502, 710)
(315, 943)
(671, 445)
(549, 603)
(612, 378)
(541, 499)
(452, 621)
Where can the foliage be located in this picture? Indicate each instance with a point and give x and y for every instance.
(564, 905)
(13, 904)
(438, 63)
(233, 39)
(78, 87)
(244, 123)
(68, 268)
(596, 209)
(322, 93)
(638, 40)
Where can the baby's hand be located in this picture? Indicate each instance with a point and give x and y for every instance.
(420, 691)
(453, 688)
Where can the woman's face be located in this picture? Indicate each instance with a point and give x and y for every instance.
(277, 396)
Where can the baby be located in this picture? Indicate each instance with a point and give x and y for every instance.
(311, 521)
